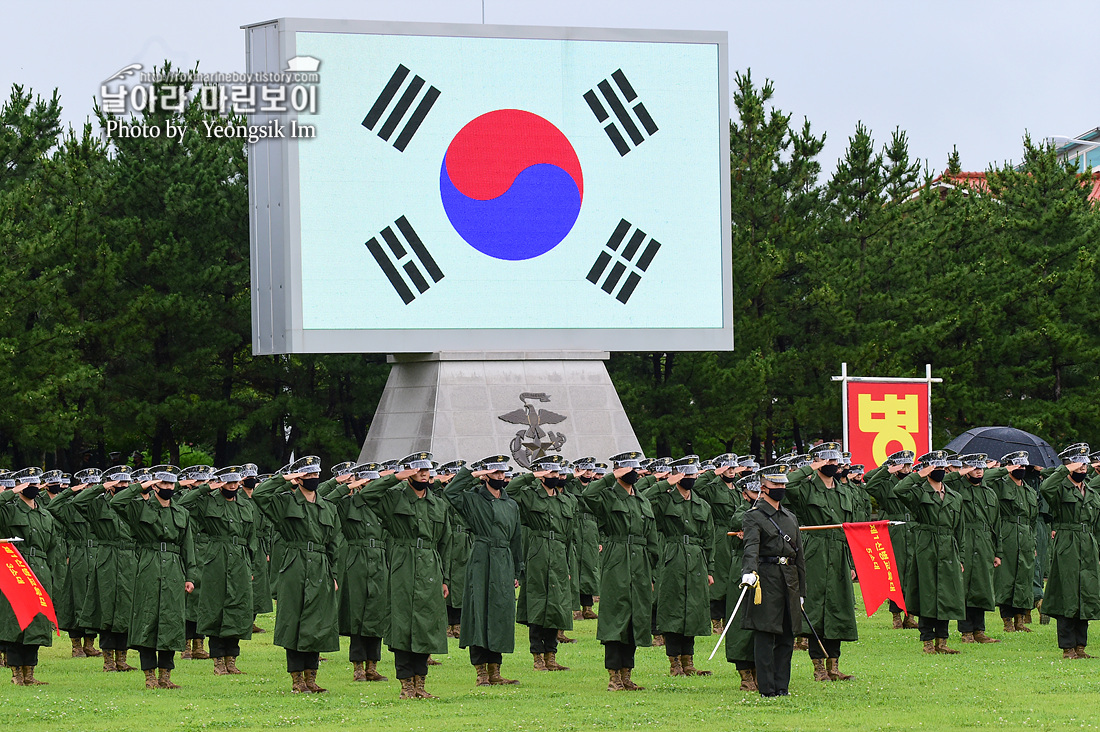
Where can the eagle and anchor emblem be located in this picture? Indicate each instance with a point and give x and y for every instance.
(533, 442)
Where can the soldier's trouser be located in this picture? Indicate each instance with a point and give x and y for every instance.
(408, 664)
(480, 655)
(222, 647)
(81, 633)
(586, 600)
(454, 615)
(543, 640)
(718, 609)
(896, 608)
(151, 658)
(653, 624)
(975, 620)
(679, 645)
(112, 641)
(930, 628)
(301, 660)
(832, 647)
(21, 654)
(773, 658)
(1072, 632)
(1007, 611)
(618, 655)
(191, 629)
(364, 648)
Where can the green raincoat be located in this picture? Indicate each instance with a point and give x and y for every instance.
(72, 581)
(364, 567)
(934, 586)
(110, 598)
(981, 541)
(546, 596)
(1017, 512)
(588, 543)
(41, 550)
(1073, 588)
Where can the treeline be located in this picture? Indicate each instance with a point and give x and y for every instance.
(125, 309)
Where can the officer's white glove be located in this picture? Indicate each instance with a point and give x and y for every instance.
(748, 579)
(802, 602)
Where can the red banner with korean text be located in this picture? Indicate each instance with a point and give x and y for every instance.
(873, 555)
(22, 589)
(885, 417)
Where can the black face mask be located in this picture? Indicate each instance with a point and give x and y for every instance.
(419, 485)
(687, 483)
(31, 492)
(249, 483)
(1075, 477)
(229, 495)
(166, 493)
(937, 475)
(903, 473)
(829, 470)
(310, 484)
(1018, 473)
(53, 490)
(585, 480)
(144, 490)
(630, 478)
(974, 480)
(729, 478)
(777, 494)
(844, 473)
(498, 484)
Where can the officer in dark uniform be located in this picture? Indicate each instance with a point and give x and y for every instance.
(774, 564)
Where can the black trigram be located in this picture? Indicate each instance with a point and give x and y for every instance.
(402, 265)
(634, 257)
(622, 114)
(404, 102)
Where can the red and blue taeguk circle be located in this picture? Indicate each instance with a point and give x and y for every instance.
(511, 184)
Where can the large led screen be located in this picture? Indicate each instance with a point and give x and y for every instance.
(495, 188)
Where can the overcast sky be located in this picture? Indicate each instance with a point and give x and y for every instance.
(972, 74)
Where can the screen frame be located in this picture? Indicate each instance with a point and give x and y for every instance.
(275, 221)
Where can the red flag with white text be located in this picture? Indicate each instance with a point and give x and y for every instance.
(873, 555)
(21, 588)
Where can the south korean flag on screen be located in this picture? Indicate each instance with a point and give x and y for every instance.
(512, 183)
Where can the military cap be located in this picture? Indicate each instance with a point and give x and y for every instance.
(974, 459)
(845, 458)
(50, 477)
(196, 473)
(32, 476)
(417, 461)
(141, 475)
(1094, 457)
(584, 463)
(687, 465)
(1019, 457)
(89, 476)
(344, 468)
(309, 465)
(553, 463)
(787, 459)
(6, 481)
(725, 460)
(1075, 453)
(629, 459)
(953, 459)
(707, 465)
(493, 463)
(249, 470)
(935, 459)
(901, 457)
(370, 471)
(231, 474)
(856, 468)
(801, 461)
(601, 468)
(452, 467)
(165, 473)
(264, 476)
(66, 479)
(646, 463)
(748, 461)
(117, 473)
(773, 473)
(661, 467)
(749, 483)
(826, 451)
(391, 465)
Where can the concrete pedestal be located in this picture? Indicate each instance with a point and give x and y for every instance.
(468, 405)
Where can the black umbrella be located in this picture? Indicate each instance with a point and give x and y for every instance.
(998, 441)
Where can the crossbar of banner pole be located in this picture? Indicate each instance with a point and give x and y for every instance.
(889, 379)
(13, 539)
(823, 526)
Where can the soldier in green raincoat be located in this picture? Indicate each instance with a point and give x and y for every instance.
(229, 525)
(817, 497)
(546, 596)
(364, 575)
(495, 566)
(1017, 512)
(305, 614)
(629, 557)
(980, 551)
(79, 540)
(741, 641)
(458, 553)
(1073, 589)
(586, 573)
(419, 525)
(686, 568)
(196, 477)
(880, 484)
(23, 517)
(166, 570)
(934, 585)
(261, 551)
(113, 566)
(717, 488)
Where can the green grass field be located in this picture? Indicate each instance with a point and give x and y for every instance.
(1022, 683)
